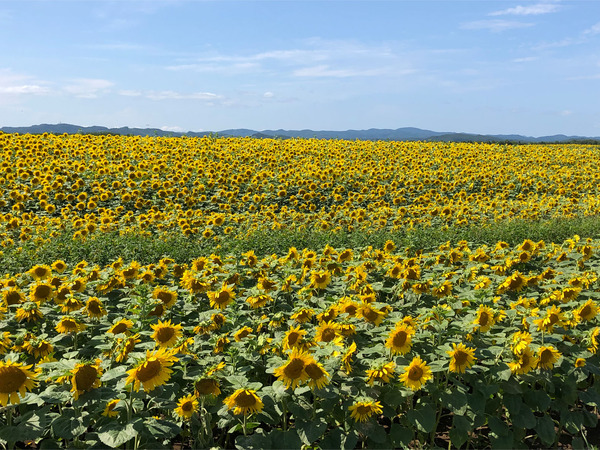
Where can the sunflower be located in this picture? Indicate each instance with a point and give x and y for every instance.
(242, 333)
(59, 266)
(594, 340)
(345, 256)
(361, 411)
(328, 332)
(381, 373)
(186, 407)
(152, 371)
(40, 272)
(166, 333)
(206, 386)
(70, 304)
(5, 342)
(94, 308)
(12, 296)
(29, 311)
(15, 380)
(389, 246)
(126, 346)
(520, 341)
(293, 338)
(122, 326)
(41, 292)
(304, 315)
(69, 324)
(317, 375)
(264, 284)
(587, 311)
(347, 357)
(347, 306)
(84, 378)
(220, 299)
(400, 339)
(416, 374)
(320, 279)
(580, 362)
(222, 341)
(166, 296)
(524, 363)
(258, 301)
(461, 358)
(514, 282)
(293, 372)
(547, 357)
(244, 401)
(553, 317)
(484, 319)
(109, 409)
(370, 313)
(38, 347)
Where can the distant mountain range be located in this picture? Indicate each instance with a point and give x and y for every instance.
(372, 134)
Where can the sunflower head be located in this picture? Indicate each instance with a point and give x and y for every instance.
(15, 380)
(361, 411)
(461, 358)
(244, 401)
(186, 407)
(416, 374)
(152, 371)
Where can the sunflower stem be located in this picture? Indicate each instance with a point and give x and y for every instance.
(9, 445)
(284, 416)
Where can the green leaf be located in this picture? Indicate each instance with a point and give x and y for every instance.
(285, 439)
(400, 435)
(538, 400)
(114, 434)
(503, 442)
(311, 431)
(497, 426)
(545, 429)
(68, 425)
(111, 374)
(524, 418)
(459, 434)
(513, 403)
(29, 428)
(423, 418)
(455, 401)
(590, 397)
(256, 440)
(336, 438)
(161, 428)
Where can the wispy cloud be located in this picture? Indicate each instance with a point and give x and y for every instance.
(592, 31)
(327, 71)
(583, 37)
(495, 25)
(88, 87)
(171, 95)
(529, 10)
(19, 84)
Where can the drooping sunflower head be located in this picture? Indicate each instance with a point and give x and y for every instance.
(244, 401)
(94, 308)
(84, 378)
(381, 372)
(15, 380)
(207, 386)
(121, 327)
(30, 312)
(547, 356)
(361, 411)
(587, 311)
(109, 409)
(12, 296)
(69, 324)
(485, 318)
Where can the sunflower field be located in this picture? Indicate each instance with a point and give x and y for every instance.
(381, 345)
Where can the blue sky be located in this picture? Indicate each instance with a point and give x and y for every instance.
(526, 67)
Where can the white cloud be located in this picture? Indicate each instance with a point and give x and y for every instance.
(268, 95)
(173, 129)
(495, 25)
(326, 71)
(130, 93)
(19, 84)
(530, 10)
(173, 95)
(593, 30)
(88, 87)
(525, 59)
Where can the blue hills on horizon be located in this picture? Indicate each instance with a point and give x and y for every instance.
(372, 134)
